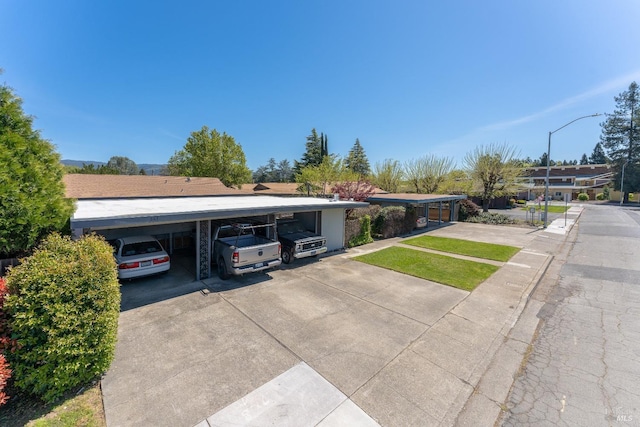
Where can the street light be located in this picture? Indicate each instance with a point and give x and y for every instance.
(546, 185)
(622, 183)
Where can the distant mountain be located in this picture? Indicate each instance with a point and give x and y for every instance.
(149, 168)
(80, 163)
(152, 168)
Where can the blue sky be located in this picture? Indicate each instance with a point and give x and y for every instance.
(408, 78)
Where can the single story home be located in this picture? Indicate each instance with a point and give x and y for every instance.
(182, 212)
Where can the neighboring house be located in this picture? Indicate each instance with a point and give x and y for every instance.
(87, 186)
(276, 188)
(570, 180)
(289, 189)
(181, 212)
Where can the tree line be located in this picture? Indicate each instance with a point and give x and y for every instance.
(208, 152)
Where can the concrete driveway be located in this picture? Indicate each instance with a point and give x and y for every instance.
(319, 342)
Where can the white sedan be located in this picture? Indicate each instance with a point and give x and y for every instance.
(140, 256)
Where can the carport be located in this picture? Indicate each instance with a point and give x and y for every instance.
(181, 221)
(431, 207)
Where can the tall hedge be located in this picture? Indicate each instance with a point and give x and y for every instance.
(32, 198)
(64, 303)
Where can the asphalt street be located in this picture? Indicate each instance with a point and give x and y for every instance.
(583, 367)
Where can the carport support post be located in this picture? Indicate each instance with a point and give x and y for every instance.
(203, 249)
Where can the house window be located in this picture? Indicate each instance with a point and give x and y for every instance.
(559, 194)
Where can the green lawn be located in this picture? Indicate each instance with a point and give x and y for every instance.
(465, 247)
(551, 208)
(459, 273)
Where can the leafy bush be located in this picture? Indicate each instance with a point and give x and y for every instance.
(5, 374)
(6, 343)
(492, 218)
(512, 202)
(605, 192)
(365, 233)
(521, 202)
(583, 197)
(393, 221)
(64, 302)
(468, 209)
(600, 196)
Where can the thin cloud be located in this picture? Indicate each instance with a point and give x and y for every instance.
(605, 87)
(172, 135)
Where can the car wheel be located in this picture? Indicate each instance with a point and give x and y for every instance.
(286, 256)
(222, 270)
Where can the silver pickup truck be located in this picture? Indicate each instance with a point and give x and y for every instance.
(239, 249)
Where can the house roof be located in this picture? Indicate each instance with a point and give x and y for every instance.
(275, 188)
(414, 198)
(287, 188)
(90, 186)
(578, 171)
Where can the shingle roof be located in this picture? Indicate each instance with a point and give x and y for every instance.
(87, 186)
(288, 188)
(275, 188)
(414, 198)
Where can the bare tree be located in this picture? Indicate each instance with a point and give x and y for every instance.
(494, 170)
(425, 174)
(388, 175)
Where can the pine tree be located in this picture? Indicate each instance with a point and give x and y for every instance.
(598, 157)
(357, 160)
(621, 137)
(316, 151)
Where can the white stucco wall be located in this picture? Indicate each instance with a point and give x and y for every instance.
(332, 227)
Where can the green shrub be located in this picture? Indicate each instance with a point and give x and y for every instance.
(6, 344)
(389, 222)
(512, 202)
(492, 218)
(521, 202)
(583, 197)
(468, 209)
(600, 196)
(64, 302)
(365, 233)
(605, 192)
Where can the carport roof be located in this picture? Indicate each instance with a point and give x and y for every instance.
(413, 198)
(119, 213)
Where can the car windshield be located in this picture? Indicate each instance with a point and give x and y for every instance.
(291, 227)
(141, 248)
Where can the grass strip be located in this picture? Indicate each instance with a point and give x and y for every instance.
(551, 208)
(465, 247)
(459, 273)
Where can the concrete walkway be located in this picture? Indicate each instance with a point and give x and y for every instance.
(332, 342)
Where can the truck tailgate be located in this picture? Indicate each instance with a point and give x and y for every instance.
(258, 254)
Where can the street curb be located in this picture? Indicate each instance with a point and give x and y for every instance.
(481, 409)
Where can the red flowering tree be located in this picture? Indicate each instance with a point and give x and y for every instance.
(358, 191)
